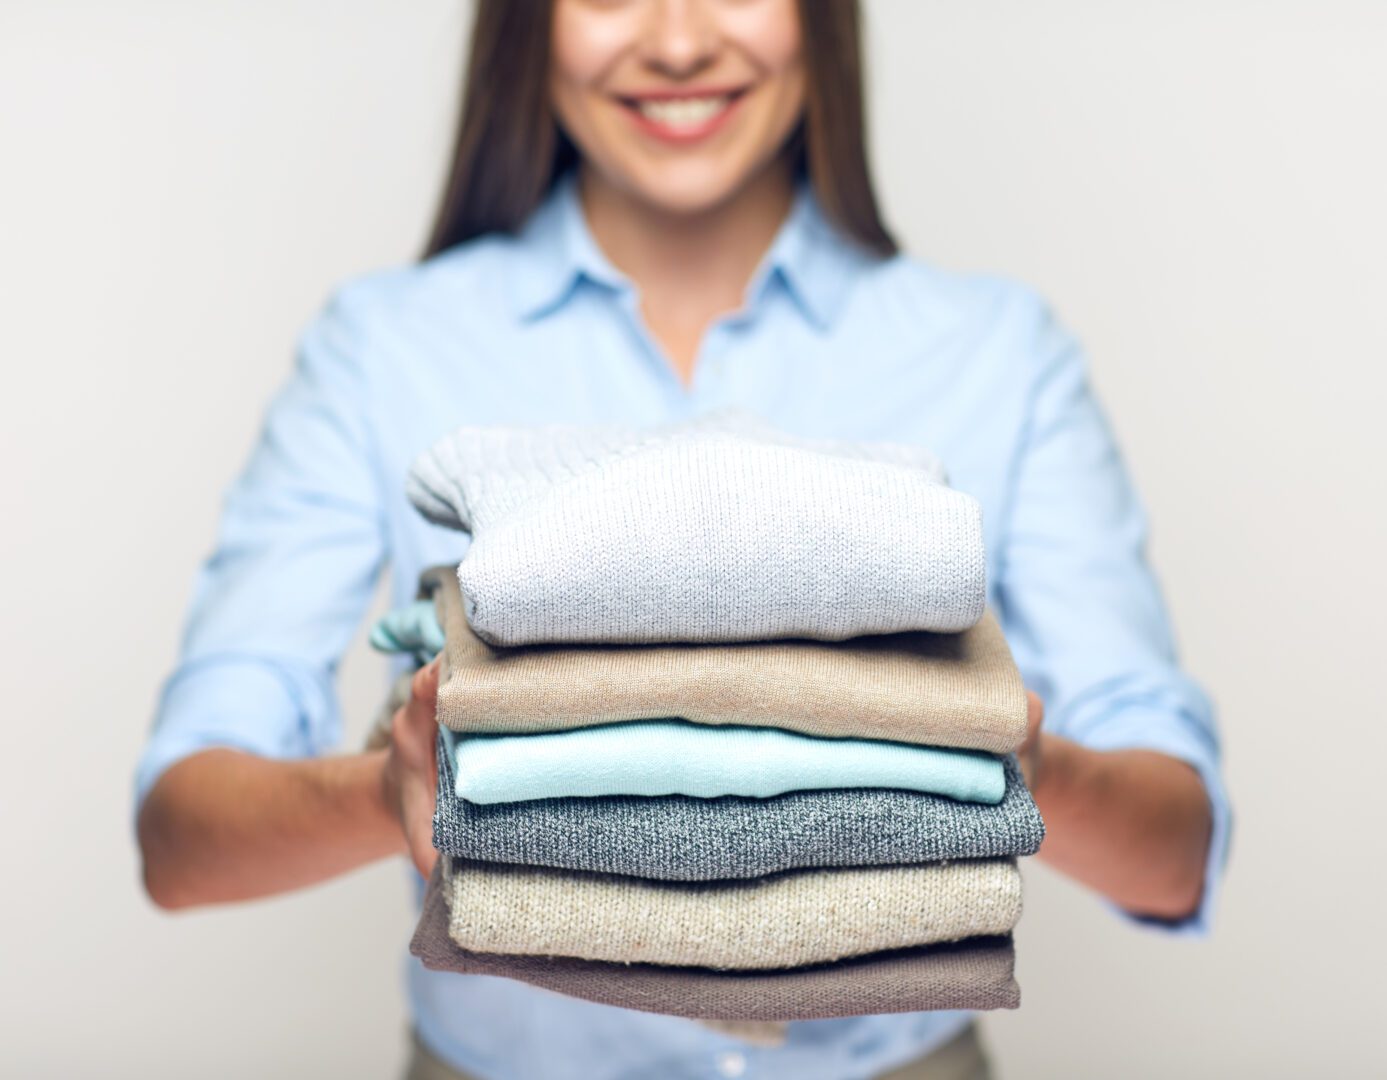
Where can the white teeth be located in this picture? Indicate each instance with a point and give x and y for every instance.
(683, 112)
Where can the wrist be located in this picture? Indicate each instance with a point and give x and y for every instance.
(374, 798)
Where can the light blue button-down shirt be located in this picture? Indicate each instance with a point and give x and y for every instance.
(540, 328)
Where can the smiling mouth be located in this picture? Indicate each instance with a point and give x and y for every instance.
(683, 117)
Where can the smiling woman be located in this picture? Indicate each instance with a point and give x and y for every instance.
(728, 88)
(693, 116)
(680, 111)
(659, 209)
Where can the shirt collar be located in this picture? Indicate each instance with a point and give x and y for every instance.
(558, 253)
(808, 258)
(811, 260)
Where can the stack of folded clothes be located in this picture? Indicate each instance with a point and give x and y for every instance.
(725, 729)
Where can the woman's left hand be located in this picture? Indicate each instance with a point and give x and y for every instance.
(1030, 752)
(1133, 824)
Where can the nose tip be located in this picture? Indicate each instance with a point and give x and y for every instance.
(680, 37)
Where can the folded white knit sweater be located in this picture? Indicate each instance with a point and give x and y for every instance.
(718, 530)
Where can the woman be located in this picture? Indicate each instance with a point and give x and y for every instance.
(658, 207)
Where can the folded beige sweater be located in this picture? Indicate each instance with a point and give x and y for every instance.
(787, 920)
(956, 690)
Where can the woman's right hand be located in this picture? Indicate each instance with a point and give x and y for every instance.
(411, 769)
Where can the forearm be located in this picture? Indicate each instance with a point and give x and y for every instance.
(1134, 825)
(226, 825)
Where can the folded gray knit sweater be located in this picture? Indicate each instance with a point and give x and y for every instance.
(679, 838)
(716, 530)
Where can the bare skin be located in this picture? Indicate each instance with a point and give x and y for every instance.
(224, 825)
(1133, 825)
(702, 263)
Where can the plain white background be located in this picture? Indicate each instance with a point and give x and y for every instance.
(1198, 186)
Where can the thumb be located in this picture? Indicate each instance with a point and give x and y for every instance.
(1035, 716)
(423, 853)
(423, 696)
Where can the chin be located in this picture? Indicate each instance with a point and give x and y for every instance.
(688, 188)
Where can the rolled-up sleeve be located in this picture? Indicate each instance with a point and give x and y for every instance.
(300, 544)
(1080, 603)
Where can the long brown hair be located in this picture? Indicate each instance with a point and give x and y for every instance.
(509, 151)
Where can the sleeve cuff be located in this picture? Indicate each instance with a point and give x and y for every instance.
(238, 702)
(1151, 729)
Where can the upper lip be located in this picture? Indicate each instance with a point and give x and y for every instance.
(679, 92)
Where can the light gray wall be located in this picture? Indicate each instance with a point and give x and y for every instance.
(1198, 186)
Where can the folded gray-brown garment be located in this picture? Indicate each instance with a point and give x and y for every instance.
(974, 974)
(954, 690)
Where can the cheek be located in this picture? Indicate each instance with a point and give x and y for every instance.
(768, 33)
(586, 43)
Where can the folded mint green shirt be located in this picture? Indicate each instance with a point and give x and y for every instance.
(673, 757)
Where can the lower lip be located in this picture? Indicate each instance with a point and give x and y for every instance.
(684, 135)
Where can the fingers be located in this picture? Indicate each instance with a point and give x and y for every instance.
(418, 803)
(413, 744)
(420, 714)
(1035, 713)
(422, 851)
(413, 728)
(425, 686)
(1029, 754)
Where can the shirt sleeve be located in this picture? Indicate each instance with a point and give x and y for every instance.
(300, 544)
(1080, 604)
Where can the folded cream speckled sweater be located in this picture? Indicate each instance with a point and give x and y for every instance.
(701, 532)
(974, 974)
(786, 920)
(957, 690)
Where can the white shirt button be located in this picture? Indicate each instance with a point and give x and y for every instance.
(731, 1063)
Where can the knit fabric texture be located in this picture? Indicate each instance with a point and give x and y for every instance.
(711, 534)
(678, 838)
(670, 757)
(414, 629)
(958, 690)
(787, 920)
(475, 476)
(975, 974)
